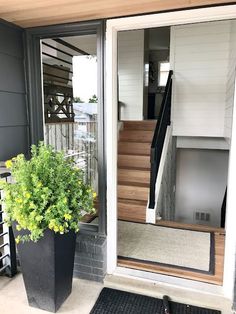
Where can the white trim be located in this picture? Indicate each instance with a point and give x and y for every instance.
(111, 148)
(230, 241)
(140, 22)
(169, 280)
(150, 214)
(173, 18)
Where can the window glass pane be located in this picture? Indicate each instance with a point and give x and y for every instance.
(70, 103)
(163, 73)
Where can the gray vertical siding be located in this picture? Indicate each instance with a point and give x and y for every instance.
(13, 108)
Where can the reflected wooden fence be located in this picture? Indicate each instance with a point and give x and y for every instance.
(78, 140)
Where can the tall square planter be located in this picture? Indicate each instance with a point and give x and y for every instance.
(47, 268)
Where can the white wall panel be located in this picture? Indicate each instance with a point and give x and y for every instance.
(199, 58)
(230, 82)
(130, 73)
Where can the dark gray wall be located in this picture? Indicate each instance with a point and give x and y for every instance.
(90, 257)
(13, 109)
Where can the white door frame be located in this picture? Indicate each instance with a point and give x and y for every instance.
(142, 22)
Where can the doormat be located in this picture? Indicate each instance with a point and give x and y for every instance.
(111, 301)
(166, 246)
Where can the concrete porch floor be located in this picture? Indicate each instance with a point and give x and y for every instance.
(84, 294)
(13, 298)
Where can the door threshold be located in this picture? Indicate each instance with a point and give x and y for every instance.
(178, 289)
(168, 280)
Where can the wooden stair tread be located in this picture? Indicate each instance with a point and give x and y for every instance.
(135, 154)
(140, 125)
(134, 175)
(134, 148)
(134, 161)
(134, 168)
(134, 184)
(132, 202)
(132, 210)
(136, 192)
(139, 136)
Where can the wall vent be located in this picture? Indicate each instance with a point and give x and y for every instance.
(202, 216)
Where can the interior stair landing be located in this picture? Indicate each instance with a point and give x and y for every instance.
(134, 169)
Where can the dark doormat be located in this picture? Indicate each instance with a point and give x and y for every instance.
(112, 301)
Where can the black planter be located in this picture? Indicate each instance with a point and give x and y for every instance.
(47, 268)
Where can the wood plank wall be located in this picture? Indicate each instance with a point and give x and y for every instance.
(27, 13)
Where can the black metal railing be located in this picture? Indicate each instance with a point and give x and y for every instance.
(8, 263)
(159, 138)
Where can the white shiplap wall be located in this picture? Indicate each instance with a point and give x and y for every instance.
(199, 58)
(230, 82)
(131, 74)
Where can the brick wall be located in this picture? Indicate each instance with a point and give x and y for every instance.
(90, 257)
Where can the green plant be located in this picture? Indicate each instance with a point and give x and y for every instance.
(93, 99)
(48, 192)
(78, 99)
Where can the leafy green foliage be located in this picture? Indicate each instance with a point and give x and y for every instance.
(48, 192)
(93, 99)
(78, 99)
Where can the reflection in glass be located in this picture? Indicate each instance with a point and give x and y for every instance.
(70, 102)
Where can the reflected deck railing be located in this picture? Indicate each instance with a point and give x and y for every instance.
(8, 263)
(78, 140)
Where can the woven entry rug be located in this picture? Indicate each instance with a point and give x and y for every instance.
(165, 246)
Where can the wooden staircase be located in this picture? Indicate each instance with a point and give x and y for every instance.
(134, 169)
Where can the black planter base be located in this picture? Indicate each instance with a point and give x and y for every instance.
(47, 268)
